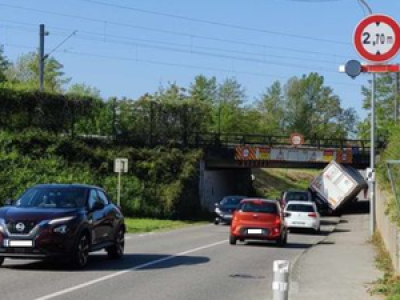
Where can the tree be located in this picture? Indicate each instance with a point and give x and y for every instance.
(204, 89)
(315, 111)
(25, 73)
(82, 89)
(348, 121)
(271, 108)
(4, 65)
(229, 110)
(298, 107)
(384, 98)
(101, 117)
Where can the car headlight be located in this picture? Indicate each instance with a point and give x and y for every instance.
(61, 220)
(63, 229)
(218, 211)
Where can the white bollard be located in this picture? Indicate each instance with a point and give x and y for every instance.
(280, 285)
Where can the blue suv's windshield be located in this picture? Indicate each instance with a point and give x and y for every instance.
(231, 201)
(52, 198)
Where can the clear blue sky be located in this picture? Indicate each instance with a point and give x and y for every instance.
(129, 48)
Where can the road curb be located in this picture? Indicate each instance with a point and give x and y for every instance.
(295, 266)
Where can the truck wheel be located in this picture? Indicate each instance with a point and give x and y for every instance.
(232, 240)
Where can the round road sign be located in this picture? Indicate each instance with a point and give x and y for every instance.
(353, 68)
(377, 38)
(296, 139)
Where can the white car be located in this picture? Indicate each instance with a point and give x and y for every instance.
(301, 214)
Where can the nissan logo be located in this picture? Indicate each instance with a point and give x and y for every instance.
(20, 227)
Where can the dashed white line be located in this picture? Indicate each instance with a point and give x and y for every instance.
(104, 278)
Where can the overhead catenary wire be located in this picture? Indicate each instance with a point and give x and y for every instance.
(170, 32)
(214, 23)
(187, 66)
(106, 23)
(163, 63)
(160, 42)
(117, 39)
(210, 54)
(61, 43)
(187, 35)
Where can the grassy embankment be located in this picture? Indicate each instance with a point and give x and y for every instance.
(152, 225)
(270, 183)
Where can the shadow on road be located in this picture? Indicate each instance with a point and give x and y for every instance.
(328, 222)
(326, 243)
(355, 208)
(272, 244)
(300, 231)
(341, 230)
(246, 276)
(100, 262)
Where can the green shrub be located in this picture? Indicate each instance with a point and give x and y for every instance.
(161, 182)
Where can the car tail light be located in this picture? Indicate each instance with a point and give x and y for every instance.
(277, 220)
(312, 215)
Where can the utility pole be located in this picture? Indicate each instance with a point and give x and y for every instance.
(42, 34)
(396, 96)
(373, 139)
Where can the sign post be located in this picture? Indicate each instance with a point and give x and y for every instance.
(377, 40)
(120, 166)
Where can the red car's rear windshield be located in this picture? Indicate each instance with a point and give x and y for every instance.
(259, 207)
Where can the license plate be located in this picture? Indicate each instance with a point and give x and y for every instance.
(28, 244)
(299, 223)
(254, 231)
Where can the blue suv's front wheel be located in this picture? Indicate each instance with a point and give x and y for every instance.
(81, 254)
(117, 250)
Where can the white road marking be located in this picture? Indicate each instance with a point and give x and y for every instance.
(146, 234)
(148, 264)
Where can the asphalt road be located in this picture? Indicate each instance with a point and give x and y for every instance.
(194, 263)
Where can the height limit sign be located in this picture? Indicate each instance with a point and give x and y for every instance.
(377, 38)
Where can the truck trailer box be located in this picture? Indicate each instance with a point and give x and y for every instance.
(338, 184)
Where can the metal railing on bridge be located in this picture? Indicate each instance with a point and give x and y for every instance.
(214, 140)
(229, 140)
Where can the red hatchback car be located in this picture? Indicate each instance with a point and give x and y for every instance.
(258, 219)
